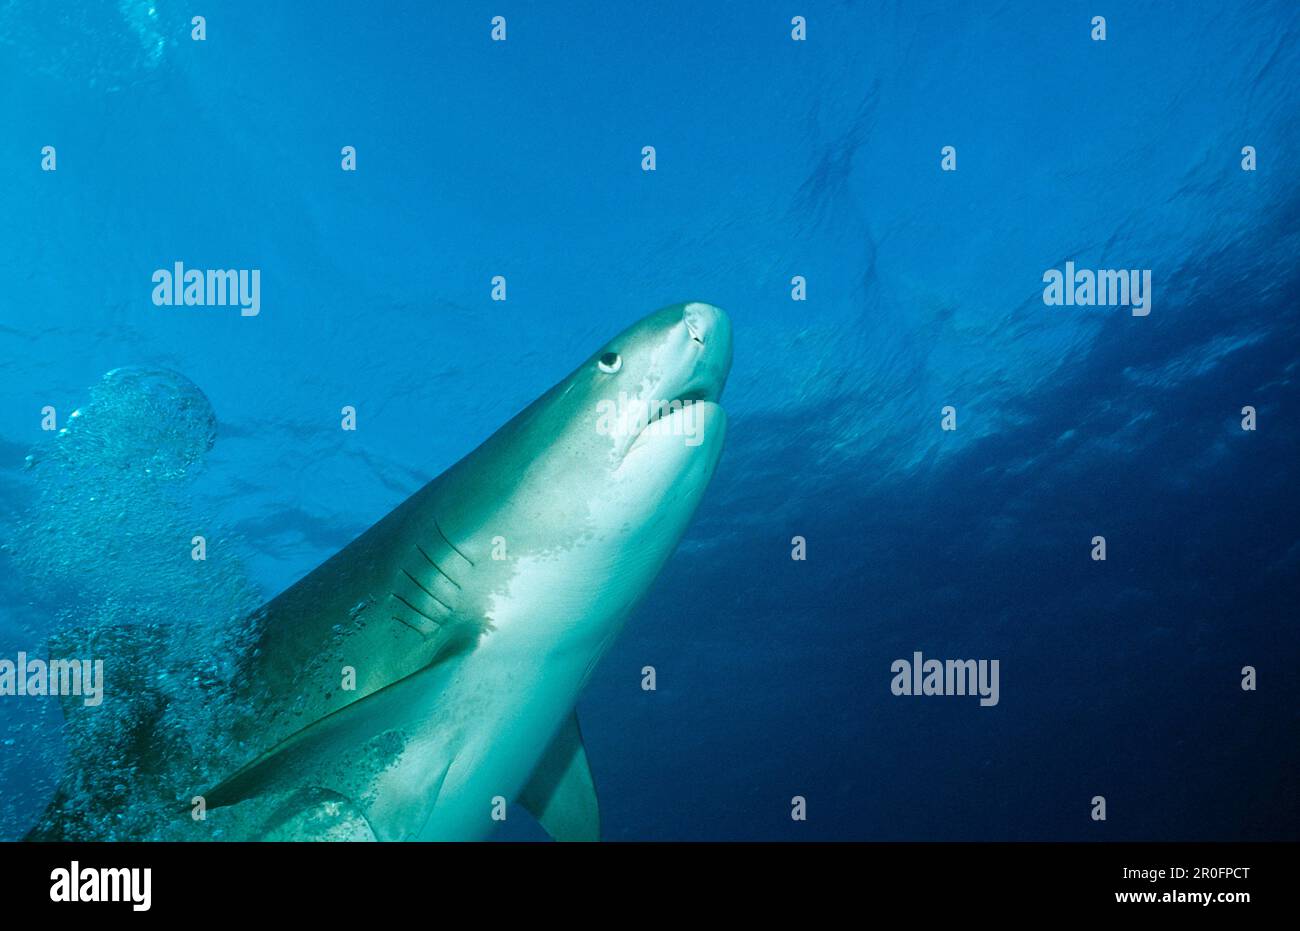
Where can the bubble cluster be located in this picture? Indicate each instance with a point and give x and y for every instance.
(152, 422)
(107, 550)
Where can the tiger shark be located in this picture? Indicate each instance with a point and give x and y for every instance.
(424, 678)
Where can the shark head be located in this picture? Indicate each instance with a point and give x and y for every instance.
(604, 471)
(652, 396)
(655, 389)
(656, 378)
(641, 415)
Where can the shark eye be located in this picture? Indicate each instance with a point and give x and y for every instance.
(610, 363)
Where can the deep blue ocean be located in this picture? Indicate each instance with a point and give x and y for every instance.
(775, 158)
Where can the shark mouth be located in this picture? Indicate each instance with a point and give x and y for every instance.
(659, 411)
(681, 418)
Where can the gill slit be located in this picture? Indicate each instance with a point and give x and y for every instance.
(402, 620)
(417, 611)
(429, 559)
(449, 543)
(421, 587)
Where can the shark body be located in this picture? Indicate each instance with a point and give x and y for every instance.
(425, 677)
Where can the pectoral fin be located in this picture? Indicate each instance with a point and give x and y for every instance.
(561, 794)
(339, 758)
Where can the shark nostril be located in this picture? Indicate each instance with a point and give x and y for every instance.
(700, 321)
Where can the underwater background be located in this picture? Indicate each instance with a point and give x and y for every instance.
(774, 159)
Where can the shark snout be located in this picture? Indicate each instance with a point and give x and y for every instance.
(709, 328)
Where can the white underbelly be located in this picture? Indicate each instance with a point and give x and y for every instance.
(475, 739)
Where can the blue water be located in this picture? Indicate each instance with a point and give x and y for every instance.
(775, 158)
